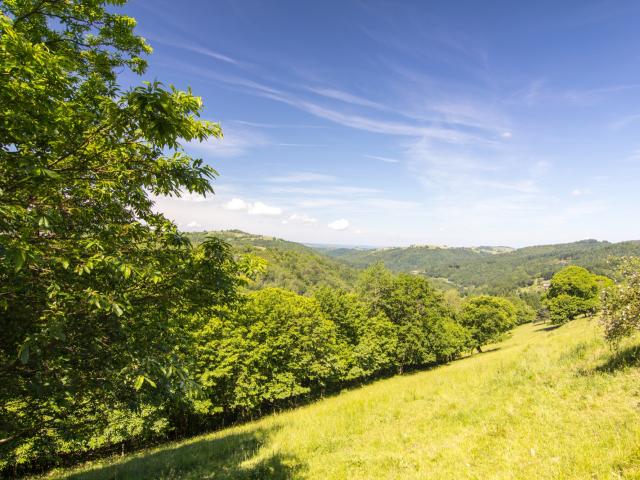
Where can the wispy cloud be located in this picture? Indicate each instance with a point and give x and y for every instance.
(530, 94)
(624, 121)
(324, 190)
(303, 218)
(592, 95)
(383, 159)
(301, 145)
(195, 48)
(276, 125)
(347, 97)
(302, 177)
(452, 134)
(236, 141)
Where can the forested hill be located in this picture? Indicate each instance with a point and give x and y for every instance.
(497, 269)
(290, 265)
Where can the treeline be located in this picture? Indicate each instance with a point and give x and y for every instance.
(229, 357)
(477, 270)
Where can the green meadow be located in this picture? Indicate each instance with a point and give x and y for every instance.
(546, 403)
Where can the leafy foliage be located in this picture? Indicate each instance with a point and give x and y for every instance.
(573, 291)
(487, 318)
(426, 328)
(621, 303)
(95, 288)
(275, 345)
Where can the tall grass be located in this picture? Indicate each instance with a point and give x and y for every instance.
(544, 404)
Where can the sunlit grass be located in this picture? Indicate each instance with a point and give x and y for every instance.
(544, 404)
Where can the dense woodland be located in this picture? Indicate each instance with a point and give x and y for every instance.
(120, 330)
(497, 273)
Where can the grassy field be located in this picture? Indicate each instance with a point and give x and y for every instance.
(544, 404)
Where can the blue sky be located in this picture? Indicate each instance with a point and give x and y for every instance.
(396, 123)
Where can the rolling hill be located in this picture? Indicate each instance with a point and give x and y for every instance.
(496, 270)
(290, 265)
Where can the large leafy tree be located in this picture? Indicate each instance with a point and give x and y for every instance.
(487, 318)
(425, 326)
(367, 342)
(573, 291)
(95, 286)
(273, 346)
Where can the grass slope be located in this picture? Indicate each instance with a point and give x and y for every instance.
(545, 404)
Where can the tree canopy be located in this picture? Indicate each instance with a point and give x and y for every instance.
(487, 318)
(95, 286)
(573, 291)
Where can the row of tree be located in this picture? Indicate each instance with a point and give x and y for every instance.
(135, 377)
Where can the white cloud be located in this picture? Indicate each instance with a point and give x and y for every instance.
(302, 217)
(186, 196)
(252, 208)
(576, 193)
(341, 224)
(193, 224)
(506, 135)
(236, 204)
(259, 208)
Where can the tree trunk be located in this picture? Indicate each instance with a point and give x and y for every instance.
(479, 349)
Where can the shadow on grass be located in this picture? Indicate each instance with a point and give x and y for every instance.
(548, 328)
(629, 357)
(237, 456)
(489, 350)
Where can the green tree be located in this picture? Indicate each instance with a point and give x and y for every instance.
(524, 312)
(96, 289)
(425, 325)
(487, 318)
(374, 284)
(367, 342)
(273, 346)
(621, 303)
(573, 291)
